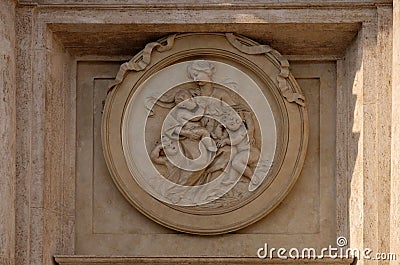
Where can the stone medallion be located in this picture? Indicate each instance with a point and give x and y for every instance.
(205, 133)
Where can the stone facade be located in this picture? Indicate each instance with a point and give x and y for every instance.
(44, 43)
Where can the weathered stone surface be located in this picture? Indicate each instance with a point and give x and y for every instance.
(384, 112)
(44, 151)
(7, 131)
(214, 3)
(364, 89)
(24, 28)
(305, 30)
(82, 260)
(395, 137)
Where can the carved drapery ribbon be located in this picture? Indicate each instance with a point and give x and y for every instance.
(139, 64)
(284, 65)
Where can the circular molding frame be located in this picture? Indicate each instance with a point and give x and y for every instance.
(268, 69)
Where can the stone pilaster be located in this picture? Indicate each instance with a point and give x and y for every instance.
(364, 101)
(7, 131)
(25, 119)
(395, 161)
(384, 103)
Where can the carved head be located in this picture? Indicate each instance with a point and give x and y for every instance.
(201, 71)
(231, 121)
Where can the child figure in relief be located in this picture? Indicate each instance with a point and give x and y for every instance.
(185, 120)
(159, 156)
(188, 115)
(245, 154)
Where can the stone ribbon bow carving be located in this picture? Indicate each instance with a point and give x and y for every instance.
(284, 65)
(139, 64)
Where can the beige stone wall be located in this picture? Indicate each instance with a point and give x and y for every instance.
(24, 22)
(384, 104)
(395, 152)
(45, 143)
(364, 102)
(7, 132)
(51, 36)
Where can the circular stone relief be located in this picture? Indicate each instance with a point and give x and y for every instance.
(205, 133)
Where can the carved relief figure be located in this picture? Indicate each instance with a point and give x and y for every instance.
(187, 109)
(243, 154)
(158, 156)
(192, 123)
(201, 71)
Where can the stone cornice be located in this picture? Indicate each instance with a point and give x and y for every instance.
(123, 260)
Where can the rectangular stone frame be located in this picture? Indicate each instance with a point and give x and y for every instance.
(93, 210)
(45, 110)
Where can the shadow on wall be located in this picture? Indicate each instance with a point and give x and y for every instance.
(350, 175)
